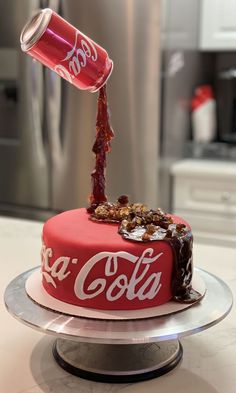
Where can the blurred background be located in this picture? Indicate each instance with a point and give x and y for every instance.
(172, 97)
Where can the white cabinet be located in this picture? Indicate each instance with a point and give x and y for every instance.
(218, 25)
(204, 193)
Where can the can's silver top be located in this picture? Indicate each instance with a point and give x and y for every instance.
(34, 29)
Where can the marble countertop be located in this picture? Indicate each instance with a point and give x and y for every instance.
(27, 365)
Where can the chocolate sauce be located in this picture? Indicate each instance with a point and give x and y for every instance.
(183, 269)
(104, 134)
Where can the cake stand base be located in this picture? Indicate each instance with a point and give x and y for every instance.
(117, 363)
(119, 351)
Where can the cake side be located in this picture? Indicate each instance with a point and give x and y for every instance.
(89, 264)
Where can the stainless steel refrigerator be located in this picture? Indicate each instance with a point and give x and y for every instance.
(47, 126)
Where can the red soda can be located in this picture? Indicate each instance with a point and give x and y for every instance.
(60, 46)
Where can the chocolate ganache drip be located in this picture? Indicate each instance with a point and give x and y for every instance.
(183, 267)
(101, 147)
(138, 223)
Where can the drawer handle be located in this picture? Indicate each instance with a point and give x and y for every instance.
(225, 197)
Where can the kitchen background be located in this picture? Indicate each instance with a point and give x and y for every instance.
(175, 140)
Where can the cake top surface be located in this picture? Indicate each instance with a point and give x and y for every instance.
(75, 226)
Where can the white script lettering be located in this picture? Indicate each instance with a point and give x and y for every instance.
(77, 58)
(85, 287)
(57, 269)
(121, 285)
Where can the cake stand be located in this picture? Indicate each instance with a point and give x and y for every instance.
(120, 351)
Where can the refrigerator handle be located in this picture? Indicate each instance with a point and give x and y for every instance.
(35, 102)
(53, 100)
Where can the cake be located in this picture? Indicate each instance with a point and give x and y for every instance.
(118, 256)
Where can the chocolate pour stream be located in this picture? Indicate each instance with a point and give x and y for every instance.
(180, 243)
(104, 134)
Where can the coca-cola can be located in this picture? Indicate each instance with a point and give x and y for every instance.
(58, 45)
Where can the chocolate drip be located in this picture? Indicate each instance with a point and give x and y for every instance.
(101, 147)
(183, 269)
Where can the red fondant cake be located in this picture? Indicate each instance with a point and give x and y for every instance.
(89, 264)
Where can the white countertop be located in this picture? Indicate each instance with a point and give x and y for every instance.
(27, 365)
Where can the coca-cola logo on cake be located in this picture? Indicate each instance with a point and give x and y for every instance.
(108, 279)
